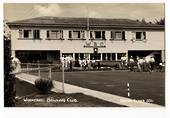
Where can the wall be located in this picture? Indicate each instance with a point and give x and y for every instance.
(155, 41)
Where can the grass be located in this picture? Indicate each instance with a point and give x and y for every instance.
(143, 85)
(29, 96)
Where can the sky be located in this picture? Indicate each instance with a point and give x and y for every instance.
(149, 11)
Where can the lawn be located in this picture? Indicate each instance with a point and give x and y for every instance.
(29, 96)
(143, 85)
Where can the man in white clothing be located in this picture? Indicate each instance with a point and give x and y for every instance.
(16, 64)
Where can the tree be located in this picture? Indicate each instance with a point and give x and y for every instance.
(9, 81)
(160, 21)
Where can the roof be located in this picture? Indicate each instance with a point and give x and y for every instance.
(84, 22)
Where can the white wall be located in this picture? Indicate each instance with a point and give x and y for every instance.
(155, 41)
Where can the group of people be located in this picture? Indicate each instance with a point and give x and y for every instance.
(146, 64)
(139, 63)
(85, 63)
(67, 61)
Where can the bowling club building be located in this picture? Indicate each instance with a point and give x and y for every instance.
(50, 38)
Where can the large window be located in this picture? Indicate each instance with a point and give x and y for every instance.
(97, 34)
(54, 34)
(119, 55)
(95, 56)
(29, 34)
(67, 54)
(140, 35)
(118, 35)
(106, 56)
(76, 35)
(79, 56)
(36, 34)
(113, 56)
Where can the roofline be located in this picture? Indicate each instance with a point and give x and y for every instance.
(107, 26)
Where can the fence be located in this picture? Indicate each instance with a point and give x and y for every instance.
(46, 71)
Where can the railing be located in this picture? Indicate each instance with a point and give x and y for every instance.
(34, 68)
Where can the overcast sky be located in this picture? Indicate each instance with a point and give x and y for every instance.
(148, 11)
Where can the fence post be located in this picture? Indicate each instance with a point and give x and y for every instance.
(38, 69)
(49, 76)
(27, 68)
(63, 77)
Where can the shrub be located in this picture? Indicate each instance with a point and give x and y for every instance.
(9, 79)
(43, 85)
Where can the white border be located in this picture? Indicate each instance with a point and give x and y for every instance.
(85, 1)
(87, 112)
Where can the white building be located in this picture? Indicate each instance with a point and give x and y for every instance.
(49, 38)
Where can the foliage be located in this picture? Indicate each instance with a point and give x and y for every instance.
(44, 85)
(160, 22)
(9, 80)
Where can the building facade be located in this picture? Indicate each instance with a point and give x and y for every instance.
(50, 38)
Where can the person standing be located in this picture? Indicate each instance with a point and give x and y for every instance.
(123, 61)
(80, 62)
(88, 63)
(141, 64)
(93, 63)
(71, 62)
(131, 63)
(138, 64)
(147, 64)
(152, 63)
(16, 64)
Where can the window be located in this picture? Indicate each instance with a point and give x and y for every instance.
(140, 35)
(97, 34)
(113, 56)
(104, 56)
(36, 34)
(118, 35)
(119, 55)
(108, 56)
(27, 33)
(81, 56)
(67, 54)
(76, 56)
(20, 33)
(76, 34)
(91, 56)
(54, 34)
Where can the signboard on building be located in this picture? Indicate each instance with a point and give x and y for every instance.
(97, 44)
